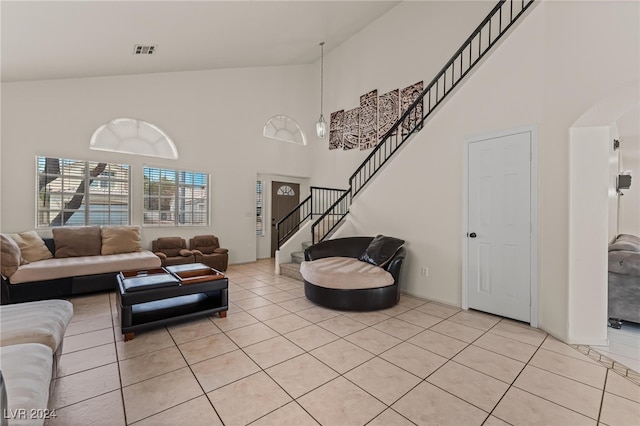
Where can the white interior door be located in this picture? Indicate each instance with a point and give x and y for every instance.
(499, 226)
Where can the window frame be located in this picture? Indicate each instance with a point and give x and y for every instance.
(109, 176)
(175, 222)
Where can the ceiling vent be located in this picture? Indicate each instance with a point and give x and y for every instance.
(145, 49)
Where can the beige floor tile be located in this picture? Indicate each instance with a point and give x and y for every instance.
(621, 386)
(520, 407)
(87, 325)
(340, 402)
(151, 396)
(317, 314)
(389, 417)
(519, 332)
(494, 421)
(428, 405)
(438, 343)
(491, 363)
(419, 318)
(373, 340)
(273, 351)
(84, 385)
(395, 310)
(475, 319)
(224, 369)
(291, 414)
(75, 362)
(87, 340)
(297, 292)
(311, 337)
(207, 347)
(369, 318)
(565, 392)
(619, 411)
(236, 295)
(144, 343)
(268, 312)
(582, 371)
(260, 396)
(237, 320)
(296, 305)
(251, 334)
(397, 328)
(103, 410)
(469, 385)
(415, 360)
(438, 310)
(555, 345)
(192, 330)
(252, 302)
(457, 331)
(262, 291)
(341, 325)
(143, 367)
(301, 374)
(370, 375)
(287, 323)
(282, 296)
(341, 355)
(196, 412)
(505, 346)
(288, 285)
(410, 301)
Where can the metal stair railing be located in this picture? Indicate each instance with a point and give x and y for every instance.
(474, 48)
(319, 201)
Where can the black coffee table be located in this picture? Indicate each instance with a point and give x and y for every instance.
(155, 297)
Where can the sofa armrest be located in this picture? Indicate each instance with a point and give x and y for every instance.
(5, 297)
(185, 253)
(394, 266)
(340, 247)
(221, 250)
(196, 252)
(161, 255)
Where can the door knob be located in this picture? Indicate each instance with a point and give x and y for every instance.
(472, 235)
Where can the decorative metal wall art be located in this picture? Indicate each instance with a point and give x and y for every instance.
(407, 96)
(388, 111)
(351, 136)
(369, 120)
(336, 129)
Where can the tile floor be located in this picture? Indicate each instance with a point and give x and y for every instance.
(278, 359)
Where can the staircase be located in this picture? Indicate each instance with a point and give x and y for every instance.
(473, 50)
(292, 269)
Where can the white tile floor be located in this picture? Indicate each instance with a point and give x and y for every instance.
(624, 345)
(277, 359)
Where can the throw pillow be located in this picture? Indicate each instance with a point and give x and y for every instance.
(32, 247)
(10, 257)
(77, 241)
(120, 239)
(381, 250)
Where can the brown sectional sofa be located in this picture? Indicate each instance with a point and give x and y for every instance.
(76, 260)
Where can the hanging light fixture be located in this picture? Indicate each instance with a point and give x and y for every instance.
(321, 125)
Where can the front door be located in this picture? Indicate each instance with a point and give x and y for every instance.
(285, 196)
(499, 226)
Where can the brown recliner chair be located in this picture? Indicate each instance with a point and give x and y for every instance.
(206, 249)
(172, 251)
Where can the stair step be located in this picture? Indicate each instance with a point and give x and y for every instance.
(297, 257)
(291, 270)
(306, 245)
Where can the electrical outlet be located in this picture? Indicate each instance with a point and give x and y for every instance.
(424, 271)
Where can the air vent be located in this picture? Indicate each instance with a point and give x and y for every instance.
(145, 49)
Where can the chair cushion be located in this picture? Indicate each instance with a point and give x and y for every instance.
(205, 243)
(10, 258)
(43, 322)
(381, 250)
(77, 241)
(344, 273)
(171, 246)
(120, 239)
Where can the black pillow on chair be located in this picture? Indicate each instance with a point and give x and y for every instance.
(381, 250)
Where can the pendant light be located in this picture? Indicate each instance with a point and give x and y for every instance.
(321, 125)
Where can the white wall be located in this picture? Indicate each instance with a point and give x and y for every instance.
(214, 117)
(552, 68)
(630, 161)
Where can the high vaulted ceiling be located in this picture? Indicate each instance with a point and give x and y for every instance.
(70, 39)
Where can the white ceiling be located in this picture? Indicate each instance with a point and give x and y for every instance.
(69, 39)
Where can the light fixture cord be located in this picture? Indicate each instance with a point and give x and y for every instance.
(321, 76)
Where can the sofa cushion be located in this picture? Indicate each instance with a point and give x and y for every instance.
(171, 246)
(381, 250)
(120, 239)
(43, 322)
(32, 247)
(26, 370)
(205, 243)
(77, 241)
(345, 273)
(10, 258)
(51, 269)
